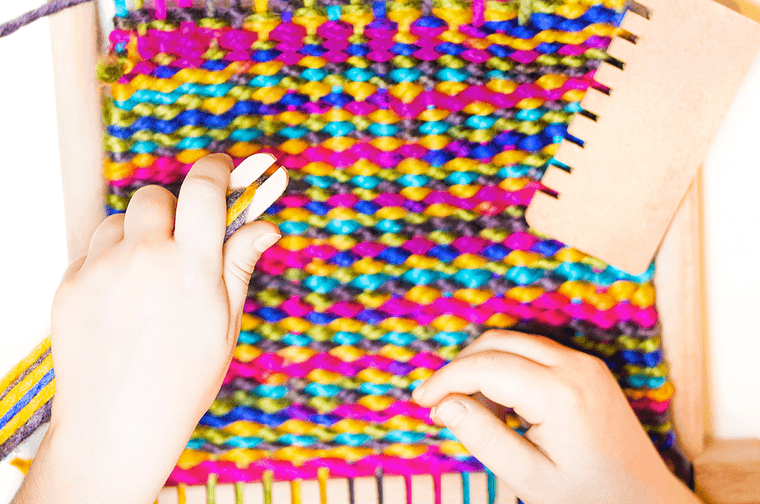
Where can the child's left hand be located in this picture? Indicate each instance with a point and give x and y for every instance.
(143, 330)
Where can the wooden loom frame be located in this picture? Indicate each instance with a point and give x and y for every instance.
(679, 283)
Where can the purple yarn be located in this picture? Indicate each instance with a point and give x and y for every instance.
(31, 16)
(38, 418)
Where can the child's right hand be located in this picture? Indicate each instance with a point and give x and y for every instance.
(584, 445)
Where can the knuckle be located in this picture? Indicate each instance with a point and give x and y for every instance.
(567, 395)
(592, 364)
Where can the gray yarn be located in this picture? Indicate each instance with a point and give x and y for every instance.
(31, 16)
(427, 7)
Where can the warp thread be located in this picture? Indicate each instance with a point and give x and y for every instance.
(236, 9)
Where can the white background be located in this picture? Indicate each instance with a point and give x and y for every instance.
(32, 240)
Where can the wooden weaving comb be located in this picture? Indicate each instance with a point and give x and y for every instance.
(260, 175)
(645, 130)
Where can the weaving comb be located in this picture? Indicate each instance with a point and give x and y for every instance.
(645, 130)
(262, 170)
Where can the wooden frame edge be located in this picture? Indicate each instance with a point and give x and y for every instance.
(678, 282)
(74, 38)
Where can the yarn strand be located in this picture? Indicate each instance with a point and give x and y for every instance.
(47, 9)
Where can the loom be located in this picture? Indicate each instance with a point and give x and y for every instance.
(415, 135)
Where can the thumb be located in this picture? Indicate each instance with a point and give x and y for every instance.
(241, 252)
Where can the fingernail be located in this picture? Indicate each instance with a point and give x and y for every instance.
(226, 158)
(229, 161)
(265, 241)
(417, 392)
(449, 411)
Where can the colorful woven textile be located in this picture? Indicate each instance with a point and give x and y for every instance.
(415, 135)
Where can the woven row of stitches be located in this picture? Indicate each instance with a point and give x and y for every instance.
(414, 143)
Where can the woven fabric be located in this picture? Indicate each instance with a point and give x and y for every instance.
(415, 136)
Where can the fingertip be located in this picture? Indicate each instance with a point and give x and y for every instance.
(418, 393)
(222, 158)
(266, 227)
(259, 235)
(266, 240)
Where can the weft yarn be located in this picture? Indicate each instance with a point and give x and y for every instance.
(415, 135)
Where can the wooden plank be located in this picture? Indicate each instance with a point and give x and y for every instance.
(337, 491)
(310, 492)
(451, 489)
(74, 38)
(394, 490)
(728, 472)
(365, 491)
(253, 493)
(678, 282)
(423, 490)
(478, 488)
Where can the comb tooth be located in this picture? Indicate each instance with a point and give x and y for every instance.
(582, 128)
(635, 24)
(596, 102)
(365, 491)
(609, 76)
(394, 489)
(555, 179)
(251, 169)
(451, 489)
(569, 154)
(423, 491)
(337, 491)
(623, 50)
(478, 488)
(264, 197)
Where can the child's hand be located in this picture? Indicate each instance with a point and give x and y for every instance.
(584, 445)
(143, 330)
